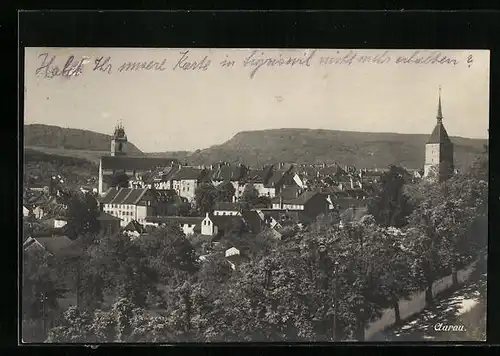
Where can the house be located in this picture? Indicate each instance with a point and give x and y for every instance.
(280, 177)
(235, 257)
(259, 179)
(253, 220)
(128, 204)
(161, 178)
(120, 162)
(216, 225)
(236, 174)
(186, 180)
(225, 208)
(26, 211)
(52, 245)
(189, 225)
(109, 224)
(56, 222)
(133, 229)
(312, 203)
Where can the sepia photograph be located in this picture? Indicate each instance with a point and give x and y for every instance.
(202, 195)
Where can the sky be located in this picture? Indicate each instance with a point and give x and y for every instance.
(173, 106)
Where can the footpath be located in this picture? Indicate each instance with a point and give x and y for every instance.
(455, 316)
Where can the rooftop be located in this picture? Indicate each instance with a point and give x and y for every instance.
(127, 196)
(135, 162)
(439, 134)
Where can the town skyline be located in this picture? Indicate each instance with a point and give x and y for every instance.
(180, 111)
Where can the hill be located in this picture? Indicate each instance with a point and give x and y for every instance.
(39, 167)
(362, 149)
(180, 155)
(60, 138)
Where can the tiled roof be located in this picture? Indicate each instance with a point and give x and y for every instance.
(135, 163)
(134, 196)
(189, 173)
(134, 225)
(290, 192)
(229, 173)
(278, 174)
(110, 195)
(175, 219)
(167, 173)
(225, 221)
(253, 220)
(301, 199)
(123, 196)
(57, 244)
(439, 135)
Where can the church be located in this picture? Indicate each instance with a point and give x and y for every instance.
(439, 151)
(119, 162)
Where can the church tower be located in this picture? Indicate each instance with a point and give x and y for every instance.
(439, 151)
(118, 141)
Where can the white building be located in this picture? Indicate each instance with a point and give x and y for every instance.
(128, 204)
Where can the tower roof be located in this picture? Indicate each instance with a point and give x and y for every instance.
(439, 134)
(119, 131)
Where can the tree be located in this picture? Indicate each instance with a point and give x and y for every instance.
(119, 180)
(123, 322)
(396, 277)
(225, 192)
(390, 206)
(205, 197)
(76, 326)
(82, 214)
(426, 247)
(249, 197)
(173, 250)
(40, 290)
(480, 168)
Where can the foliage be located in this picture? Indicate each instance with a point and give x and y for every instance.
(119, 180)
(41, 287)
(390, 206)
(249, 197)
(82, 214)
(225, 192)
(124, 322)
(205, 197)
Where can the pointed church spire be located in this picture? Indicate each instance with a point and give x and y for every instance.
(440, 112)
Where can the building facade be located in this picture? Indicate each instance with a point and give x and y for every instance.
(128, 204)
(118, 162)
